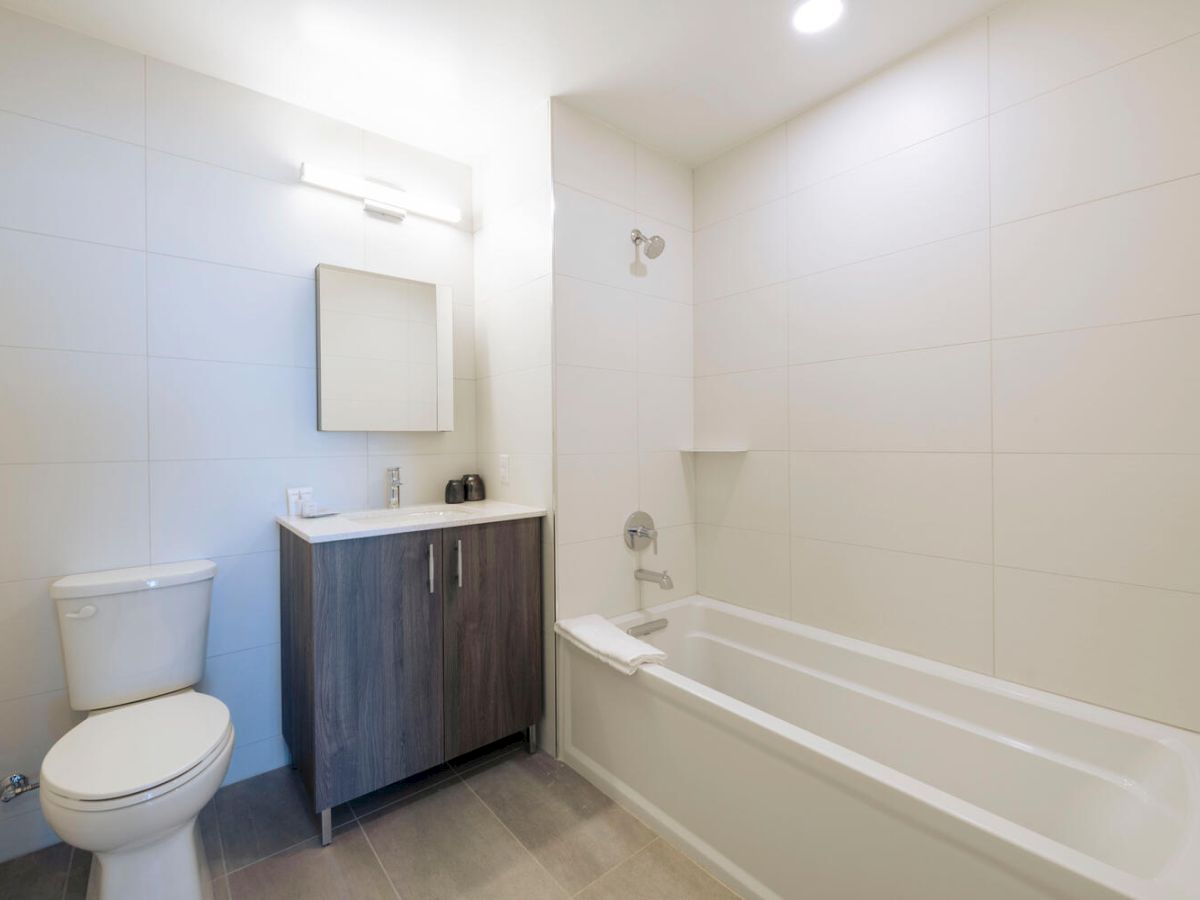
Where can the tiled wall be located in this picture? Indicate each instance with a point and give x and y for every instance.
(953, 316)
(623, 367)
(157, 355)
(513, 340)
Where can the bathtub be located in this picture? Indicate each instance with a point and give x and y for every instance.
(797, 763)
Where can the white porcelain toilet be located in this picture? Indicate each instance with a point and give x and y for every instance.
(129, 782)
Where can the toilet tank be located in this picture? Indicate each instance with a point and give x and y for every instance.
(128, 634)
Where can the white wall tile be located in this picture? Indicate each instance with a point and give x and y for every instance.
(592, 157)
(46, 718)
(513, 328)
(1134, 519)
(1119, 389)
(245, 603)
(677, 557)
(669, 276)
(62, 182)
(530, 481)
(1044, 271)
(935, 190)
(929, 296)
(1129, 648)
(32, 664)
(941, 87)
(202, 410)
(202, 310)
(596, 577)
(596, 493)
(596, 410)
(666, 487)
(742, 332)
(596, 325)
(424, 475)
(70, 295)
(664, 413)
(60, 519)
(202, 118)
(664, 337)
(421, 173)
(420, 249)
(248, 682)
(60, 76)
(741, 253)
(743, 490)
(747, 568)
(513, 412)
(937, 608)
(750, 175)
(918, 400)
(63, 406)
(743, 410)
(1037, 46)
(591, 239)
(227, 507)
(664, 188)
(203, 212)
(1115, 131)
(931, 503)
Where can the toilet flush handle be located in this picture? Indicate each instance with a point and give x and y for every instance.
(84, 612)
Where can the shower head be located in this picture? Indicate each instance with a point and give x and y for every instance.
(653, 246)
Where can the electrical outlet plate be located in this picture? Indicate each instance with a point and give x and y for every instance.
(504, 468)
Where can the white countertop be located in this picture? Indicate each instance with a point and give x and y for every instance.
(374, 522)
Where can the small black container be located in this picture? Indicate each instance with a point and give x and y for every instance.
(456, 492)
(474, 487)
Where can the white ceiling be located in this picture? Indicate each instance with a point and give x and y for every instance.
(690, 77)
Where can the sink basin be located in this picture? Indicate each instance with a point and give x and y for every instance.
(423, 514)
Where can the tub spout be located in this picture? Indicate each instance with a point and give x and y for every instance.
(662, 579)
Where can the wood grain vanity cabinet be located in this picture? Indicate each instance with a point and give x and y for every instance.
(404, 650)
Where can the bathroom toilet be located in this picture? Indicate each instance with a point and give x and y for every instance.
(129, 782)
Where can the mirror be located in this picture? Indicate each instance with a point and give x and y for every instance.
(384, 353)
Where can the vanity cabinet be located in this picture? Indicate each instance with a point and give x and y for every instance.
(401, 651)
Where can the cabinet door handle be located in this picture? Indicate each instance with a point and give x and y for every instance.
(460, 562)
(431, 568)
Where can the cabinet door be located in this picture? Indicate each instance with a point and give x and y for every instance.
(492, 631)
(377, 633)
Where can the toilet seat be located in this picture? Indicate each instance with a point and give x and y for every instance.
(129, 754)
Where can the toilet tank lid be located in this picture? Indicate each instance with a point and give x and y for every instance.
(138, 578)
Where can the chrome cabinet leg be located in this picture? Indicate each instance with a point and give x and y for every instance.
(531, 739)
(326, 827)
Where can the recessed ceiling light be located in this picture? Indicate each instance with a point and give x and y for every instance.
(816, 15)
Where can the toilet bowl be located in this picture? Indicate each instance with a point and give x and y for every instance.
(129, 781)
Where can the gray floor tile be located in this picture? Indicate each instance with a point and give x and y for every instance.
(573, 829)
(346, 868)
(660, 872)
(221, 888)
(77, 879)
(489, 753)
(368, 803)
(41, 875)
(210, 835)
(444, 843)
(263, 815)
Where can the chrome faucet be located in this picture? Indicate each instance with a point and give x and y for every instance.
(662, 579)
(15, 785)
(394, 483)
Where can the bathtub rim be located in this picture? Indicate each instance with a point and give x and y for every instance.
(985, 832)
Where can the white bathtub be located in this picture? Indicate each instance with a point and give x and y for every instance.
(798, 763)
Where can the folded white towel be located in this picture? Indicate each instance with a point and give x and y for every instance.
(602, 639)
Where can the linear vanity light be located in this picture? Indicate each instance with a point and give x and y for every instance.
(376, 197)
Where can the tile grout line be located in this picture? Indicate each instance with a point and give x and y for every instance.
(70, 866)
(146, 301)
(613, 868)
(520, 843)
(375, 853)
(991, 339)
